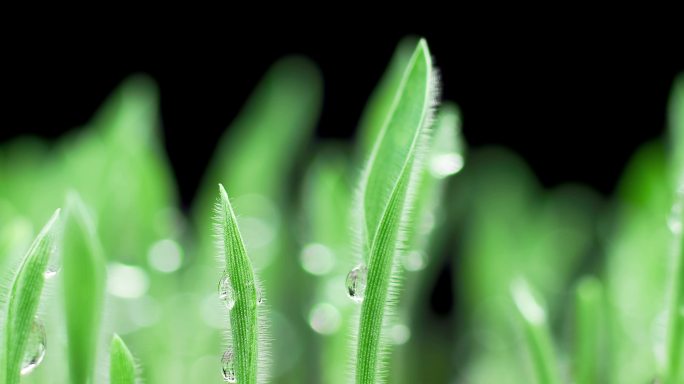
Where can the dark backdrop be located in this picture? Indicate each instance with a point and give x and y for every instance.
(574, 105)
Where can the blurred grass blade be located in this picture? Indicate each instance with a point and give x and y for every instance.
(84, 281)
(674, 371)
(386, 199)
(24, 297)
(327, 194)
(274, 125)
(537, 335)
(245, 352)
(589, 306)
(121, 363)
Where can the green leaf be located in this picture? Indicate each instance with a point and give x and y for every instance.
(84, 281)
(24, 297)
(385, 200)
(245, 350)
(537, 335)
(380, 102)
(121, 364)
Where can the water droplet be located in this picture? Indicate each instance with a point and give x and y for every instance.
(226, 293)
(445, 164)
(51, 271)
(356, 283)
(35, 348)
(325, 319)
(228, 366)
(674, 221)
(260, 296)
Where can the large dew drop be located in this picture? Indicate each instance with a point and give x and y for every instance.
(356, 283)
(225, 291)
(35, 348)
(228, 366)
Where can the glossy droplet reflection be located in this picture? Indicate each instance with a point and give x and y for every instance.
(51, 271)
(260, 296)
(356, 283)
(228, 366)
(35, 348)
(225, 291)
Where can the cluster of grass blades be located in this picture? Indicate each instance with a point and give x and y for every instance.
(120, 286)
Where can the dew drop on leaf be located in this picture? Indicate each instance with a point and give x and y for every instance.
(228, 366)
(225, 291)
(35, 348)
(51, 271)
(260, 296)
(356, 283)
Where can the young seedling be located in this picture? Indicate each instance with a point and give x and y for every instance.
(385, 197)
(243, 361)
(121, 363)
(84, 282)
(23, 336)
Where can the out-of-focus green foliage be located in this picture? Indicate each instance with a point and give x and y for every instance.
(610, 274)
(84, 283)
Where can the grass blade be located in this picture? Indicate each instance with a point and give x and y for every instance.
(588, 331)
(24, 297)
(380, 102)
(84, 281)
(121, 363)
(244, 322)
(537, 334)
(384, 195)
(674, 363)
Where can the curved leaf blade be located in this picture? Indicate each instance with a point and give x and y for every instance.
(121, 363)
(384, 202)
(24, 297)
(244, 322)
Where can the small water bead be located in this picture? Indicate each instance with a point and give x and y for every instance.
(260, 296)
(225, 291)
(51, 271)
(356, 283)
(228, 366)
(35, 348)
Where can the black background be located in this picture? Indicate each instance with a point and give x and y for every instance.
(574, 103)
